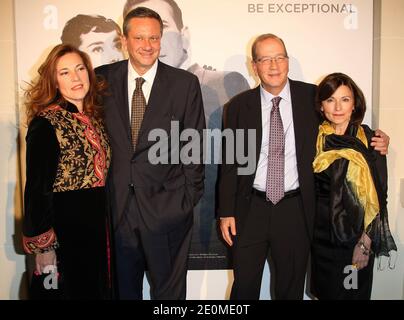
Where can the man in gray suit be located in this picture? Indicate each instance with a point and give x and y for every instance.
(217, 87)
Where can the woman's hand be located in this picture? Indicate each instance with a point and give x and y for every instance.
(360, 257)
(43, 261)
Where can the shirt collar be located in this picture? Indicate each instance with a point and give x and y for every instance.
(266, 97)
(148, 76)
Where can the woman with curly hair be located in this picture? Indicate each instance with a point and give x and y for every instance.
(68, 155)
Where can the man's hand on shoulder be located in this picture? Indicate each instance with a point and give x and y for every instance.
(381, 142)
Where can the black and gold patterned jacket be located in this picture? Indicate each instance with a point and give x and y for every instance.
(66, 151)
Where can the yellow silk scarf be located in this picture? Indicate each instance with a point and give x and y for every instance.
(358, 175)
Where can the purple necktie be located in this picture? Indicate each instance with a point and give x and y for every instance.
(276, 156)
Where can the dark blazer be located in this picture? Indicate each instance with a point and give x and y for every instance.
(165, 193)
(244, 112)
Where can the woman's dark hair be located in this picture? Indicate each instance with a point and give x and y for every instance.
(83, 24)
(330, 84)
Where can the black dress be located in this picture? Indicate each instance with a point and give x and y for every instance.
(339, 224)
(67, 159)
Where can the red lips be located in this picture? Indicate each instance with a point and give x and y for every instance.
(77, 87)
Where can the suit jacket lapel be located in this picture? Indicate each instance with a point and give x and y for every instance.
(298, 117)
(154, 109)
(254, 118)
(157, 95)
(120, 94)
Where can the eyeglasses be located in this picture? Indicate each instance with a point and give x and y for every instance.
(267, 60)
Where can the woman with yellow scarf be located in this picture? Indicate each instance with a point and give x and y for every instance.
(351, 225)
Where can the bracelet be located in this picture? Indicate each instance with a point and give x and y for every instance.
(52, 247)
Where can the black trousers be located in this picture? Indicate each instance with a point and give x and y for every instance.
(281, 228)
(164, 256)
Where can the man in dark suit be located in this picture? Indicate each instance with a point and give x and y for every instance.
(151, 204)
(249, 220)
(217, 88)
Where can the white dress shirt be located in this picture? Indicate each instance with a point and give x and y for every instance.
(285, 108)
(147, 85)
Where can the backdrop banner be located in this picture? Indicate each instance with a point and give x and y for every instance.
(211, 39)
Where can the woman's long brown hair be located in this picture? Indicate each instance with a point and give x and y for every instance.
(44, 92)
